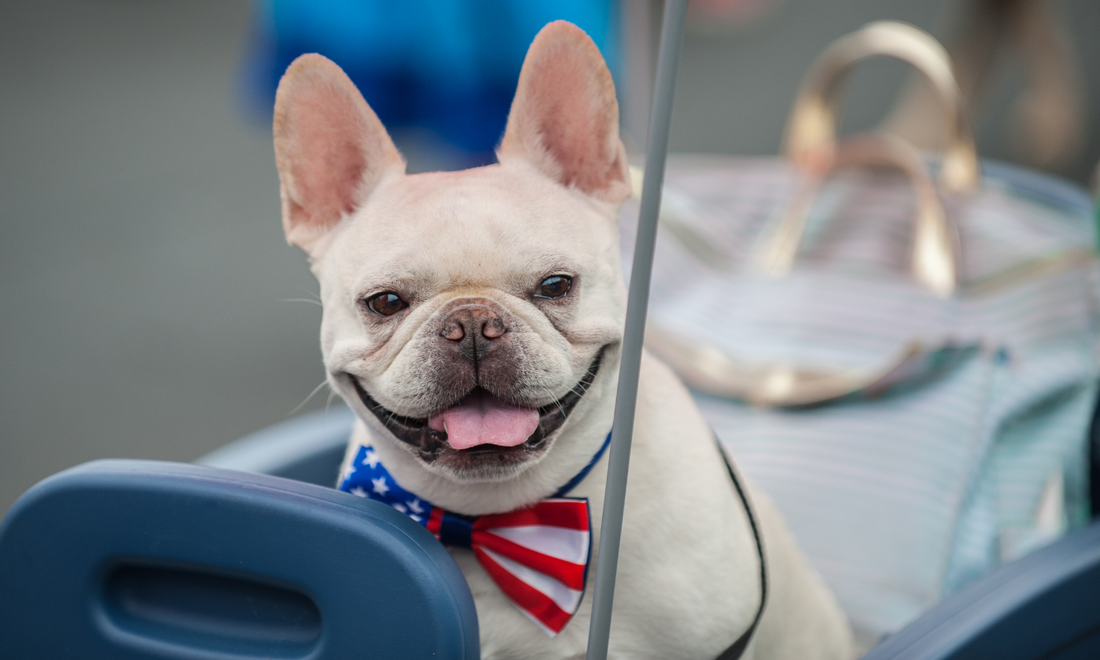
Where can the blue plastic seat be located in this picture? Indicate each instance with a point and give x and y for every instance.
(143, 559)
(1045, 605)
(135, 560)
(306, 448)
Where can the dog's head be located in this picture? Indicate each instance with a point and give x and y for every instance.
(469, 317)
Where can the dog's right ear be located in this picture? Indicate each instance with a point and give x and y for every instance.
(330, 149)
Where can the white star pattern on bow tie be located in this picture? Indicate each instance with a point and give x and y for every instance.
(357, 491)
(380, 486)
(370, 458)
(414, 506)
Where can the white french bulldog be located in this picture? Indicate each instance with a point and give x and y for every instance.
(473, 320)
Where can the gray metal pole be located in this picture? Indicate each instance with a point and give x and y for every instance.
(611, 527)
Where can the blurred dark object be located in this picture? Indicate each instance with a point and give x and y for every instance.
(1045, 125)
(448, 68)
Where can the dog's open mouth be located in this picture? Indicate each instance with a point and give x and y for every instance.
(481, 428)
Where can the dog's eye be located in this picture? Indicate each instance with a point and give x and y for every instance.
(386, 303)
(554, 286)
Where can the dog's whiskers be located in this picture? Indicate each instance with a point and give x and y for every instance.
(312, 298)
(392, 415)
(310, 396)
(581, 388)
(557, 402)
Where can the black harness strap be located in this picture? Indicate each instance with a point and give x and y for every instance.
(736, 649)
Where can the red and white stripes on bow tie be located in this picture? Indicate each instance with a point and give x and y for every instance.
(537, 556)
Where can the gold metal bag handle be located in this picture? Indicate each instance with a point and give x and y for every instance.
(933, 261)
(811, 129)
(784, 384)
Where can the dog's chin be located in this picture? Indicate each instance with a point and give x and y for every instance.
(485, 462)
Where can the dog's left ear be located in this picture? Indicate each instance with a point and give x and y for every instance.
(565, 119)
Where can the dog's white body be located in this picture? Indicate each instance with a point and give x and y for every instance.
(399, 258)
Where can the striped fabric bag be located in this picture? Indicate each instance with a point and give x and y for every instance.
(907, 366)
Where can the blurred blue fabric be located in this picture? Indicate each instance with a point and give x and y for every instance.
(449, 66)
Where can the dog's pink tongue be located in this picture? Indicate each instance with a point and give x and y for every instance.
(483, 419)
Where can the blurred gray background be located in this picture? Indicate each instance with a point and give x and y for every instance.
(149, 307)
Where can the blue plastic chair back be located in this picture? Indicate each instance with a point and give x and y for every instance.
(132, 560)
(305, 448)
(1045, 606)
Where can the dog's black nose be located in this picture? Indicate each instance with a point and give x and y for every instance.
(472, 324)
(475, 344)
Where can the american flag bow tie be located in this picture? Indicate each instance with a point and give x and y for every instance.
(537, 556)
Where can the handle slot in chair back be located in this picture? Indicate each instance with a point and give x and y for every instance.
(134, 560)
